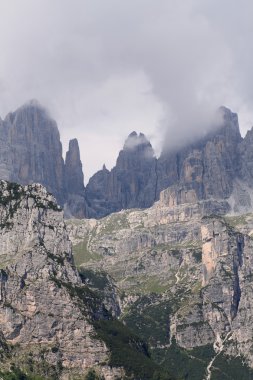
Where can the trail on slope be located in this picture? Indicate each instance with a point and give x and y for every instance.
(218, 348)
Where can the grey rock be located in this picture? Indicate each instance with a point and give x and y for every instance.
(41, 314)
(206, 169)
(130, 184)
(75, 204)
(208, 166)
(177, 253)
(31, 151)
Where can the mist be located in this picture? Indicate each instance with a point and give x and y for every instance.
(106, 68)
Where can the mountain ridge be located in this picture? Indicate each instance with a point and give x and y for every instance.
(210, 167)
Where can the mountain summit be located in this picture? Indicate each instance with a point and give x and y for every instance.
(218, 165)
(31, 151)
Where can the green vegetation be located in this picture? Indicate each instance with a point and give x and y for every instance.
(115, 222)
(17, 374)
(237, 220)
(197, 254)
(151, 284)
(185, 364)
(56, 258)
(129, 351)
(12, 199)
(149, 318)
(229, 368)
(82, 255)
(97, 280)
(92, 375)
(87, 300)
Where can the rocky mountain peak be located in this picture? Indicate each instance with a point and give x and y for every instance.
(136, 142)
(75, 204)
(30, 149)
(32, 114)
(43, 302)
(73, 169)
(136, 152)
(228, 126)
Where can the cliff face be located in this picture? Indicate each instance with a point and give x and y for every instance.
(39, 307)
(130, 184)
(209, 166)
(55, 322)
(186, 279)
(218, 166)
(31, 151)
(205, 169)
(74, 186)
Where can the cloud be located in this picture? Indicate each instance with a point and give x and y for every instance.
(105, 68)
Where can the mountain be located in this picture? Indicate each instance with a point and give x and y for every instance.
(75, 204)
(219, 165)
(184, 277)
(201, 170)
(53, 325)
(161, 289)
(131, 183)
(208, 166)
(31, 151)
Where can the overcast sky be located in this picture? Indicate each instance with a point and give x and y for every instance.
(107, 67)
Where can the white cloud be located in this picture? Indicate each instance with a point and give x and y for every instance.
(105, 68)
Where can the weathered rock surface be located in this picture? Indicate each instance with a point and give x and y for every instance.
(46, 312)
(75, 204)
(218, 166)
(31, 151)
(210, 168)
(183, 275)
(130, 184)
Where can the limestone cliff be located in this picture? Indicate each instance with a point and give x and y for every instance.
(216, 166)
(131, 183)
(75, 204)
(209, 168)
(186, 280)
(54, 321)
(31, 151)
(45, 310)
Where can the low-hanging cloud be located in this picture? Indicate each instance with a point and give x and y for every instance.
(105, 68)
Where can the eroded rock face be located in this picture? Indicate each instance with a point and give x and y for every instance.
(218, 166)
(179, 263)
(31, 151)
(130, 184)
(45, 310)
(75, 204)
(206, 169)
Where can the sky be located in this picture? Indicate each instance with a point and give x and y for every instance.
(105, 68)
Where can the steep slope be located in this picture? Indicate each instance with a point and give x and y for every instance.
(210, 168)
(75, 204)
(31, 151)
(131, 183)
(184, 279)
(51, 323)
(217, 166)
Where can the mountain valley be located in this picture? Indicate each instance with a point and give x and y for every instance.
(145, 273)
